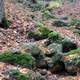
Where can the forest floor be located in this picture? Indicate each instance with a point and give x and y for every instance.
(15, 36)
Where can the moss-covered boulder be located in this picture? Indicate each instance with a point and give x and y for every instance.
(72, 61)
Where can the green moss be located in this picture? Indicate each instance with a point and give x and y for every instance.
(41, 33)
(45, 31)
(72, 52)
(23, 59)
(74, 58)
(53, 36)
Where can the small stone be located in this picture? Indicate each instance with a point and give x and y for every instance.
(43, 72)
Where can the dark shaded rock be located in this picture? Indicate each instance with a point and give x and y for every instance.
(42, 64)
(58, 67)
(68, 45)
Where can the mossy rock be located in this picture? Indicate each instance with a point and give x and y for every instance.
(68, 45)
(40, 33)
(55, 47)
(72, 61)
(55, 64)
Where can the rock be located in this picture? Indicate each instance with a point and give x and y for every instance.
(64, 18)
(52, 77)
(37, 76)
(57, 57)
(49, 62)
(70, 67)
(72, 70)
(78, 27)
(49, 73)
(55, 64)
(68, 45)
(72, 61)
(32, 48)
(43, 72)
(41, 64)
(58, 67)
(50, 53)
(16, 51)
(55, 47)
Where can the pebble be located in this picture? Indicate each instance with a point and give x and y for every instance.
(43, 72)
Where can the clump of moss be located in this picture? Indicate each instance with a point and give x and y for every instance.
(22, 59)
(53, 36)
